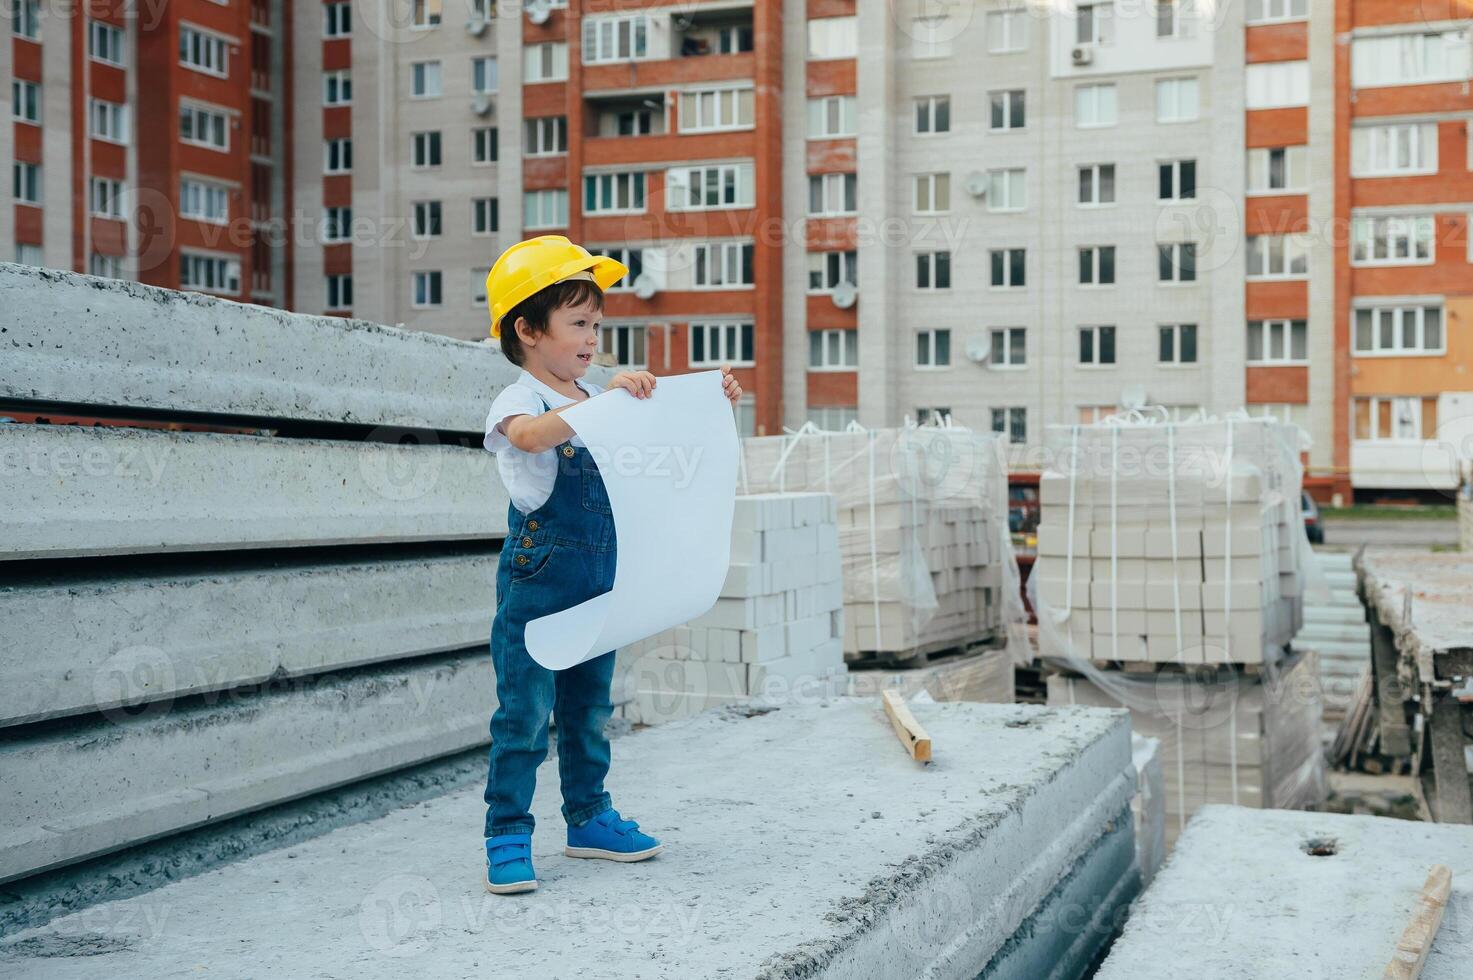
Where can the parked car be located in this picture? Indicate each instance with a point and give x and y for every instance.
(1313, 528)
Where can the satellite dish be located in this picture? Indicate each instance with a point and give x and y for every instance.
(979, 350)
(481, 105)
(1133, 397)
(976, 183)
(644, 286)
(476, 26)
(845, 293)
(538, 11)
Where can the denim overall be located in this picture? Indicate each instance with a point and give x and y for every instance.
(555, 557)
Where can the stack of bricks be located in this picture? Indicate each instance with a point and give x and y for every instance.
(775, 633)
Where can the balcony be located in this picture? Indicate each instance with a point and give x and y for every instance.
(671, 49)
(640, 114)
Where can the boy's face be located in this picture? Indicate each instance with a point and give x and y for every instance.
(565, 350)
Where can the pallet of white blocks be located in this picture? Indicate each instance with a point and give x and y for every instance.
(1225, 736)
(1171, 543)
(922, 524)
(775, 633)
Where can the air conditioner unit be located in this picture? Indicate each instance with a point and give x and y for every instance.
(1082, 54)
(476, 26)
(482, 105)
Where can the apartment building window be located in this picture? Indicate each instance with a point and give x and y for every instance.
(932, 193)
(207, 53)
(1177, 262)
(1410, 59)
(1278, 342)
(710, 110)
(1006, 109)
(204, 127)
(1007, 190)
(1011, 422)
(1398, 330)
(204, 201)
(832, 194)
(25, 19)
(26, 182)
(106, 197)
(484, 75)
(1094, 23)
(427, 289)
(339, 291)
(1097, 184)
(209, 273)
(1008, 266)
(27, 254)
(337, 224)
(613, 193)
(484, 147)
(1007, 31)
(712, 344)
(832, 37)
(933, 115)
(110, 121)
(546, 136)
(1277, 257)
(832, 418)
(427, 216)
(106, 266)
(426, 14)
(1097, 265)
(25, 101)
(827, 269)
(105, 44)
(1009, 347)
(337, 87)
(1173, 19)
(1094, 106)
(1276, 84)
(337, 19)
(933, 348)
(733, 40)
(610, 39)
(1176, 100)
(833, 350)
(1177, 343)
(1097, 346)
(626, 342)
(425, 149)
(933, 270)
(932, 415)
(1277, 170)
(723, 265)
(1401, 148)
(478, 286)
(930, 37)
(1392, 239)
(485, 216)
(545, 62)
(1395, 418)
(1176, 180)
(633, 260)
(1269, 11)
(424, 80)
(831, 117)
(545, 209)
(337, 156)
(724, 185)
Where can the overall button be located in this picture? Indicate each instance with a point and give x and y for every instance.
(521, 559)
(568, 450)
(532, 525)
(526, 542)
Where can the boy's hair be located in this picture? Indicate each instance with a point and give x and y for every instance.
(537, 309)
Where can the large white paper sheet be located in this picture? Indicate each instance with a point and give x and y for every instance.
(669, 463)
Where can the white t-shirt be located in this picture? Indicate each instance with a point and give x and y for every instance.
(528, 476)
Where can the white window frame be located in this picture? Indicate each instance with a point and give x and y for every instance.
(207, 52)
(546, 61)
(832, 268)
(1282, 334)
(420, 146)
(1179, 273)
(545, 136)
(837, 350)
(832, 38)
(1394, 317)
(628, 342)
(337, 87)
(628, 186)
(425, 216)
(105, 197)
(545, 208)
(1295, 170)
(1012, 343)
(1096, 264)
(719, 265)
(424, 15)
(842, 188)
(731, 107)
(1092, 176)
(1382, 144)
(485, 216)
(337, 286)
(1007, 268)
(1014, 102)
(489, 69)
(631, 258)
(1007, 190)
(931, 36)
(1171, 95)
(1096, 333)
(1176, 167)
(337, 20)
(930, 266)
(25, 101)
(1276, 11)
(426, 79)
(1384, 60)
(105, 266)
(609, 40)
(682, 182)
(227, 268)
(1099, 26)
(1007, 31)
(1406, 234)
(718, 337)
(1177, 331)
(25, 20)
(423, 285)
(929, 352)
(203, 200)
(839, 110)
(26, 183)
(931, 193)
(1276, 84)
(340, 147)
(927, 109)
(106, 44)
(1097, 100)
(1388, 403)
(208, 114)
(118, 128)
(1291, 249)
(487, 139)
(1011, 421)
(337, 224)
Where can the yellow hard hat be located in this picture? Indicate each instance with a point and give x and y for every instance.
(531, 266)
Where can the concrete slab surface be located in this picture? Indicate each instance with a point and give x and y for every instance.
(800, 842)
(1241, 897)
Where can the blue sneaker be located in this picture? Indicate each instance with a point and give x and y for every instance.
(610, 837)
(509, 864)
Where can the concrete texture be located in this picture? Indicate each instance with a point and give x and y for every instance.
(77, 790)
(1242, 898)
(74, 491)
(853, 860)
(103, 643)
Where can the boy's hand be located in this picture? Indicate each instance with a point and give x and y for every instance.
(729, 385)
(638, 383)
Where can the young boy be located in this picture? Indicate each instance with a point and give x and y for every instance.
(546, 298)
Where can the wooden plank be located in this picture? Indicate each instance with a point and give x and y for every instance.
(907, 729)
(1396, 737)
(1454, 802)
(1416, 941)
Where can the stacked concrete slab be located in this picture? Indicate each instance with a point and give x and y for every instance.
(1009, 857)
(1270, 893)
(922, 515)
(775, 634)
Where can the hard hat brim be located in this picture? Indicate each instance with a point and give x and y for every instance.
(606, 271)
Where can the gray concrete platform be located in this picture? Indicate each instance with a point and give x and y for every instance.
(1241, 897)
(800, 842)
